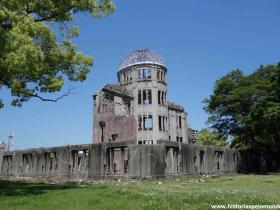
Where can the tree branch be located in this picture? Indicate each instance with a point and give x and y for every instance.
(6, 25)
(28, 11)
(46, 18)
(53, 100)
(55, 14)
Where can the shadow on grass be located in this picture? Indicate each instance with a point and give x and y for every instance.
(21, 188)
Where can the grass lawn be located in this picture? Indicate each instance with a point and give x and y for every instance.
(175, 193)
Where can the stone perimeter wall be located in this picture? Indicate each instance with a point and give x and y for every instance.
(118, 159)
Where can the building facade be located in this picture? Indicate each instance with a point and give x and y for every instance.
(137, 133)
(139, 102)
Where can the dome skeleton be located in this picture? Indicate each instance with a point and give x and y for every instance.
(145, 56)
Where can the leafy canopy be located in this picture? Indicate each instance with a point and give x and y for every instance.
(247, 107)
(36, 53)
(211, 138)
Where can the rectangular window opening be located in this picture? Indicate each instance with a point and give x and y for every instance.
(114, 137)
(139, 74)
(115, 167)
(144, 75)
(150, 96)
(148, 122)
(159, 94)
(145, 99)
(180, 122)
(162, 98)
(139, 122)
(125, 165)
(149, 73)
(139, 97)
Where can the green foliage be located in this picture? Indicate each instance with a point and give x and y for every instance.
(35, 57)
(211, 138)
(179, 193)
(247, 107)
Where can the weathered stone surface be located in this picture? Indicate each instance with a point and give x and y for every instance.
(67, 161)
(209, 160)
(96, 161)
(146, 161)
(118, 159)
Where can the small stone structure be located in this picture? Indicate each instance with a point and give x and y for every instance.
(137, 133)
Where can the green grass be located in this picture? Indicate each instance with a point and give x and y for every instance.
(177, 193)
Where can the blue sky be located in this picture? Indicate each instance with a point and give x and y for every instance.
(200, 40)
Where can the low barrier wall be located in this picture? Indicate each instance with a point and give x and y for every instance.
(119, 159)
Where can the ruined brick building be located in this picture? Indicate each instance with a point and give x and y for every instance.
(136, 108)
(137, 133)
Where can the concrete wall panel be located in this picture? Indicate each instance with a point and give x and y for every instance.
(119, 159)
(146, 161)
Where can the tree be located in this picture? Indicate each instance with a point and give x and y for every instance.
(36, 53)
(247, 107)
(211, 138)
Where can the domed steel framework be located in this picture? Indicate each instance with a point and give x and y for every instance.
(142, 57)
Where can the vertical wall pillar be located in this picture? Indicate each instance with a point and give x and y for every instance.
(2, 150)
(63, 161)
(96, 161)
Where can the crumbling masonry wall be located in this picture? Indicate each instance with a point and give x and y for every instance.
(111, 116)
(208, 160)
(67, 161)
(119, 159)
